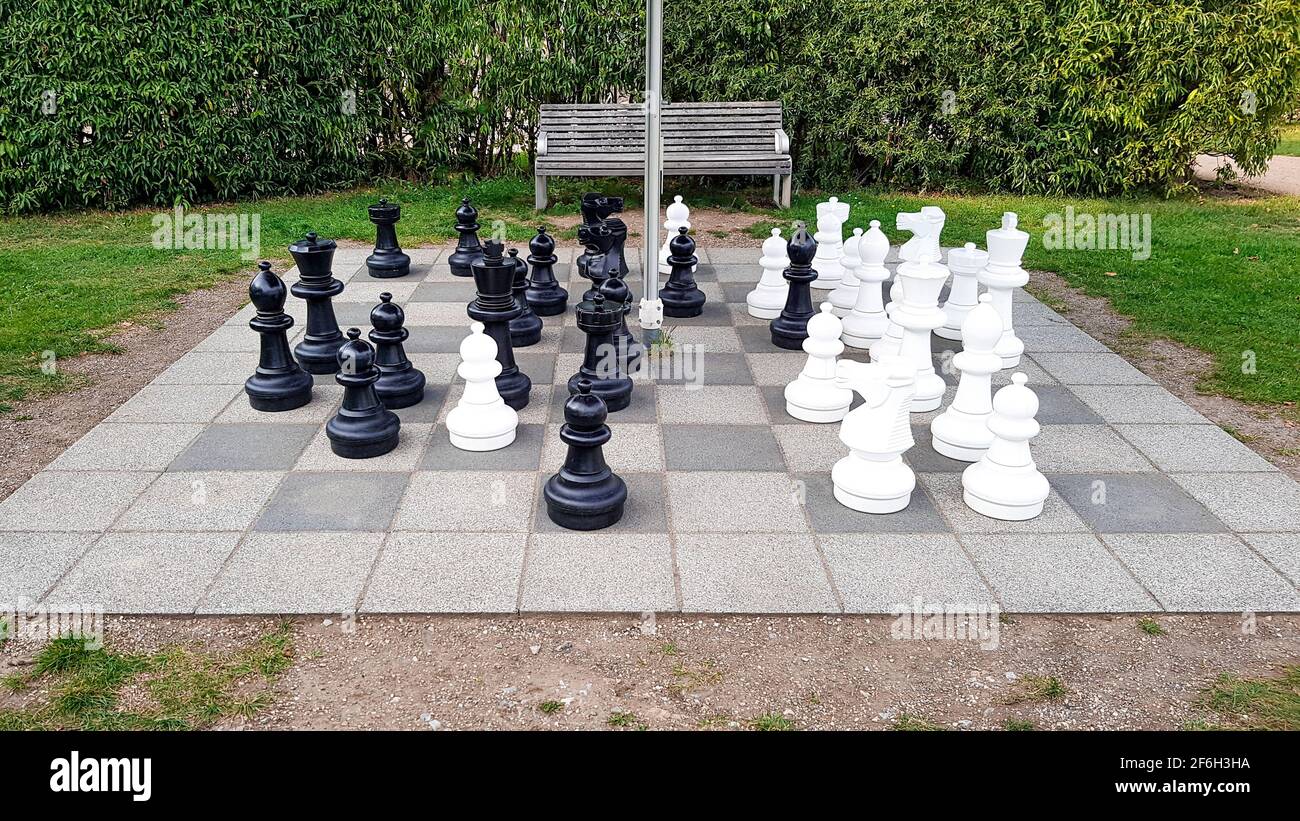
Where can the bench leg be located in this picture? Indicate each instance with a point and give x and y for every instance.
(539, 193)
(776, 189)
(783, 199)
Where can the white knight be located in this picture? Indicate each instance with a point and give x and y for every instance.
(873, 477)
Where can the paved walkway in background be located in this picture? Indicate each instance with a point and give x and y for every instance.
(185, 500)
(1282, 176)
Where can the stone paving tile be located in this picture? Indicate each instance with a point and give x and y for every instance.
(446, 573)
(427, 409)
(436, 367)
(471, 501)
(324, 403)
(1057, 405)
(334, 500)
(1085, 449)
(721, 447)
(237, 338)
(31, 562)
(458, 290)
(642, 410)
(1204, 573)
(585, 572)
(712, 339)
(1134, 503)
(1091, 369)
(411, 442)
(632, 446)
(1058, 339)
(1029, 314)
(1282, 549)
(1119, 404)
(808, 447)
(884, 574)
(923, 458)
(435, 338)
(741, 319)
(201, 500)
(737, 404)
(829, 516)
(737, 502)
(946, 490)
(176, 403)
(437, 313)
(144, 572)
(71, 501)
(127, 447)
(700, 369)
(522, 454)
(752, 573)
(367, 291)
(644, 511)
(294, 573)
(774, 368)
(245, 447)
(1192, 448)
(1247, 502)
(1056, 573)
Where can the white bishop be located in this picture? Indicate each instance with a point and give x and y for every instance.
(768, 297)
(814, 396)
(867, 322)
(845, 295)
(480, 421)
(676, 215)
(873, 477)
(1005, 482)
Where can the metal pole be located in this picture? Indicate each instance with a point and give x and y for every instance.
(652, 308)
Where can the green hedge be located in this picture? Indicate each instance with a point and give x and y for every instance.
(162, 101)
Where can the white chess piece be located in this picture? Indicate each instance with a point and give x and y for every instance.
(1003, 274)
(845, 295)
(830, 242)
(873, 477)
(1005, 482)
(962, 431)
(867, 322)
(768, 297)
(923, 277)
(964, 263)
(814, 395)
(676, 215)
(480, 421)
(934, 245)
(889, 342)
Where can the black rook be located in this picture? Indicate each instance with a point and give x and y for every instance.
(388, 260)
(318, 350)
(495, 307)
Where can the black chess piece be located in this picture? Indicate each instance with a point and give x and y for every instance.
(468, 249)
(495, 307)
(585, 494)
(318, 350)
(594, 263)
(790, 329)
(387, 261)
(616, 292)
(525, 329)
(544, 292)
(400, 383)
(598, 209)
(681, 296)
(363, 427)
(602, 364)
(279, 384)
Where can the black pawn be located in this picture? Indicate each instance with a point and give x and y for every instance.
(594, 264)
(525, 329)
(585, 494)
(616, 292)
(400, 383)
(363, 427)
(602, 365)
(279, 384)
(318, 350)
(388, 260)
(544, 292)
(681, 296)
(790, 329)
(468, 250)
(495, 307)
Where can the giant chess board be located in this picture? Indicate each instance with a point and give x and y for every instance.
(187, 500)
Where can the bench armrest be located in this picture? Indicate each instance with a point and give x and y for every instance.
(782, 141)
(541, 143)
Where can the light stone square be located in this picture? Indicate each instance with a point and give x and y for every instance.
(295, 573)
(1247, 502)
(470, 501)
(177, 403)
(446, 573)
(753, 573)
(71, 501)
(201, 501)
(411, 442)
(1204, 573)
(1056, 573)
(31, 562)
(1193, 448)
(886, 573)
(112, 446)
(585, 572)
(735, 502)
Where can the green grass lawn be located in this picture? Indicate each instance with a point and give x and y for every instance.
(1223, 276)
(1290, 142)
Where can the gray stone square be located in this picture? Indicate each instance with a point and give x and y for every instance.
(1247, 502)
(245, 447)
(809, 448)
(1057, 405)
(829, 516)
(632, 447)
(177, 403)
(1118, 404)
(947, 492)
(753, 573)
(1204, 573)
(461, 291)
(721, 447)
(1085, 449)
(644, 511)
(587, 572)
(1133, 503)
(1056, 573)
(881, 574)
(325, 399)
(524, 453)
(923, 458)
(367, 289)
(775, 369)
(435, 338)
(412, 439)
(1057, 338)
(112, 446)
(31, 562)
(71, 501)
(1091, 369)
(736, 292)
(438, 368)
(446, 573)
(470, 501)
(716, 312)
(427, 409)
(758, 339)
(313, 572)
(201, 500)
(1282, 549)
(696, 368)
(536, 412)
(334, 500)
(737, 502)
(734, 404)
(1193, 448)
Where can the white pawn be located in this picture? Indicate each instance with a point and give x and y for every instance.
(676, 216)
(873, 477)
(964, 263)
(962, 431)
(867, 322)
(814, 396)
(768, 297)
(1001, 276)
(480, 421)
(845, 295)
(830, 242)
(923, 277)
(892, 339)
(1005, 483)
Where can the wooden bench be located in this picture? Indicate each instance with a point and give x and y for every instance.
(608, 140)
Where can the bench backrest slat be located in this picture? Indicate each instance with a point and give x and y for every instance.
(588, 128)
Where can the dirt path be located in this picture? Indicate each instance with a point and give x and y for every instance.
(1282, 176)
